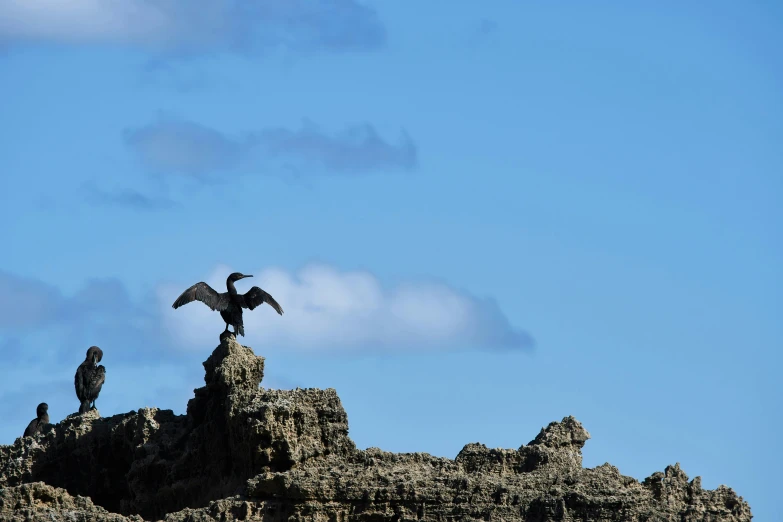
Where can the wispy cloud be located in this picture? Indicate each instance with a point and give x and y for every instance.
(172, 145)
(187, 27)
(355, 149)
(185, 77)
(126, 197)
(102, 309)
(28, 302)
(330, 310)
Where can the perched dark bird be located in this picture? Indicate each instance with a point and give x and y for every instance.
(229, 303)
(89, 379)
(37, 425)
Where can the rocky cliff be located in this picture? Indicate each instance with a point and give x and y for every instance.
(246, 453)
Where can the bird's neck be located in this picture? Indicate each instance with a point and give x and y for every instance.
(231, 288)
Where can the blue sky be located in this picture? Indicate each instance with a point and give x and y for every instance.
(478, 220)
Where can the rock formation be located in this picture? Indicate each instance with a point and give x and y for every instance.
(246, 453)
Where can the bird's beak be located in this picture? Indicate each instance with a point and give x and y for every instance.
(246, 276)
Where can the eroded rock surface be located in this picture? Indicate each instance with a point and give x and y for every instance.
(244, 453)
(40, 502)
(153, 462)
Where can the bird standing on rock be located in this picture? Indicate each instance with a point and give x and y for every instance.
(89, 379)
(230, 303)
(36, 425)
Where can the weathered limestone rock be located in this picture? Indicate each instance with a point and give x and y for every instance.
(152, 462)
(244, 453)
(38, 502)
(559, 445)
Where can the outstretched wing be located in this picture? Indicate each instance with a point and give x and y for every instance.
(256, 297)
(204, 293)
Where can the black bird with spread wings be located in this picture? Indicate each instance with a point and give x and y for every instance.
(89, 379)
(229, 304)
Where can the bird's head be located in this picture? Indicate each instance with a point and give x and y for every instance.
(42, 409)
(236, 276)
(94, 354)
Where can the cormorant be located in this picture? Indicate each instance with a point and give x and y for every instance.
(89, 379)
(229, 303)
(36, 425)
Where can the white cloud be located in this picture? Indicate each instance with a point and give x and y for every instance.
(178, 146)
(84, 20)
(194, 26)
(329, 310)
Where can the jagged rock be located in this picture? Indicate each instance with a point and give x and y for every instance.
(38, 502)
(244, 453)
(153, 462)
(377, 485)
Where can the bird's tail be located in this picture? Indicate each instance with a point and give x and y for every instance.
(84, 407)
(241, 330)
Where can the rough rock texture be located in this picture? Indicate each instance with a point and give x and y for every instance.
(38, 501)
(152, 462)
(244, 453)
